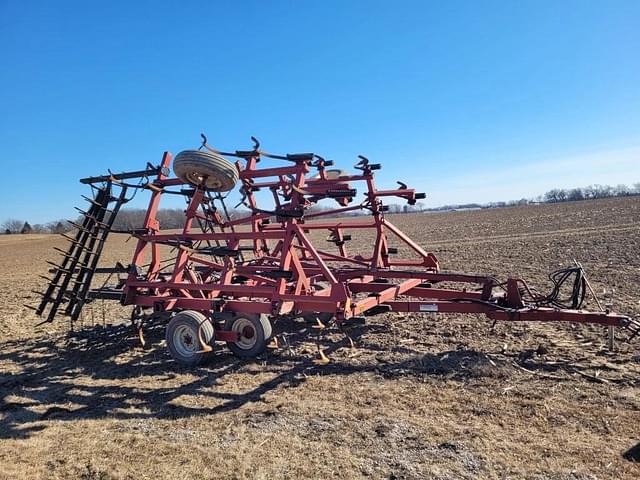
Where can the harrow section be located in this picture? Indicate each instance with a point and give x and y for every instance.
(72, 276)
(228, 278)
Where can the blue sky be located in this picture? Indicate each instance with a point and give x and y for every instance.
(467, 101)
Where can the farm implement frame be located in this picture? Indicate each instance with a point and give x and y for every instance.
(228, 279)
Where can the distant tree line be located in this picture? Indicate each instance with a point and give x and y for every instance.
(12, 226)
(556, 195)
(406, 208)
(590, 193)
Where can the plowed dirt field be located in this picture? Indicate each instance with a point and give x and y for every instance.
(416, 396)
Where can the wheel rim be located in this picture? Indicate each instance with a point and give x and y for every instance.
(247, 333)
(185, 341)
(200, 179)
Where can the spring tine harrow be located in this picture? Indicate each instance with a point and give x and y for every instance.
(79, 260)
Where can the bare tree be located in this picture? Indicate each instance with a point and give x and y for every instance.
(552, 196)
(26, 228)
(12, 225)
(57, 226)
(622, 190)
(591, 192)
(575, 194)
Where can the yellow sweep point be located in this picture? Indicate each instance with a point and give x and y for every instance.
(323, 360)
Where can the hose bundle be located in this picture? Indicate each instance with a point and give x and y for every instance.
(578, 290)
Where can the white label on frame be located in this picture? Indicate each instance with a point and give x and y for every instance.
(428, 307)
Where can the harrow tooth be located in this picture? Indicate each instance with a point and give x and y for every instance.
(84, 213)
(46, 320)
(72, 240)
(67, 254)
(91, 217)
(73, 258)
(58, 268)
(83, 229)
(62, 252)
(91, 201)
(87, 232)
(102, 207)
(75, 225)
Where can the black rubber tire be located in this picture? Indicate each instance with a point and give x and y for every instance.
(268, 328)
(249, 346)
(182, 337)
(206, 169)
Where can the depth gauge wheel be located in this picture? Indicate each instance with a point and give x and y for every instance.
(206, 169)
(183, 335)
(254, 331)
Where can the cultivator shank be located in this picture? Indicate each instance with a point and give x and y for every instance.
(237, 273)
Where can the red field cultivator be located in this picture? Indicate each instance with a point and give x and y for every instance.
(228, 279)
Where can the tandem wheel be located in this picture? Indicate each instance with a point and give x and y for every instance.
(184, 335)
(254, 331)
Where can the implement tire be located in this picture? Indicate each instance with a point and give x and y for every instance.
(254, 332)
(183, 337)
(208, 170)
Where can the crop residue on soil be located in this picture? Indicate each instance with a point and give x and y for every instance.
(409, 396)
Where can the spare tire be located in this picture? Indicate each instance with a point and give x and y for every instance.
(332, 174)
(206, 169)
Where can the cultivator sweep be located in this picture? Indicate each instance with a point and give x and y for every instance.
(227, 279)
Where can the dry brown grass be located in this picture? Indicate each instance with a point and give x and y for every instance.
(419, 396)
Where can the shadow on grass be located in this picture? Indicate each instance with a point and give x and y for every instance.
(102, 373)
